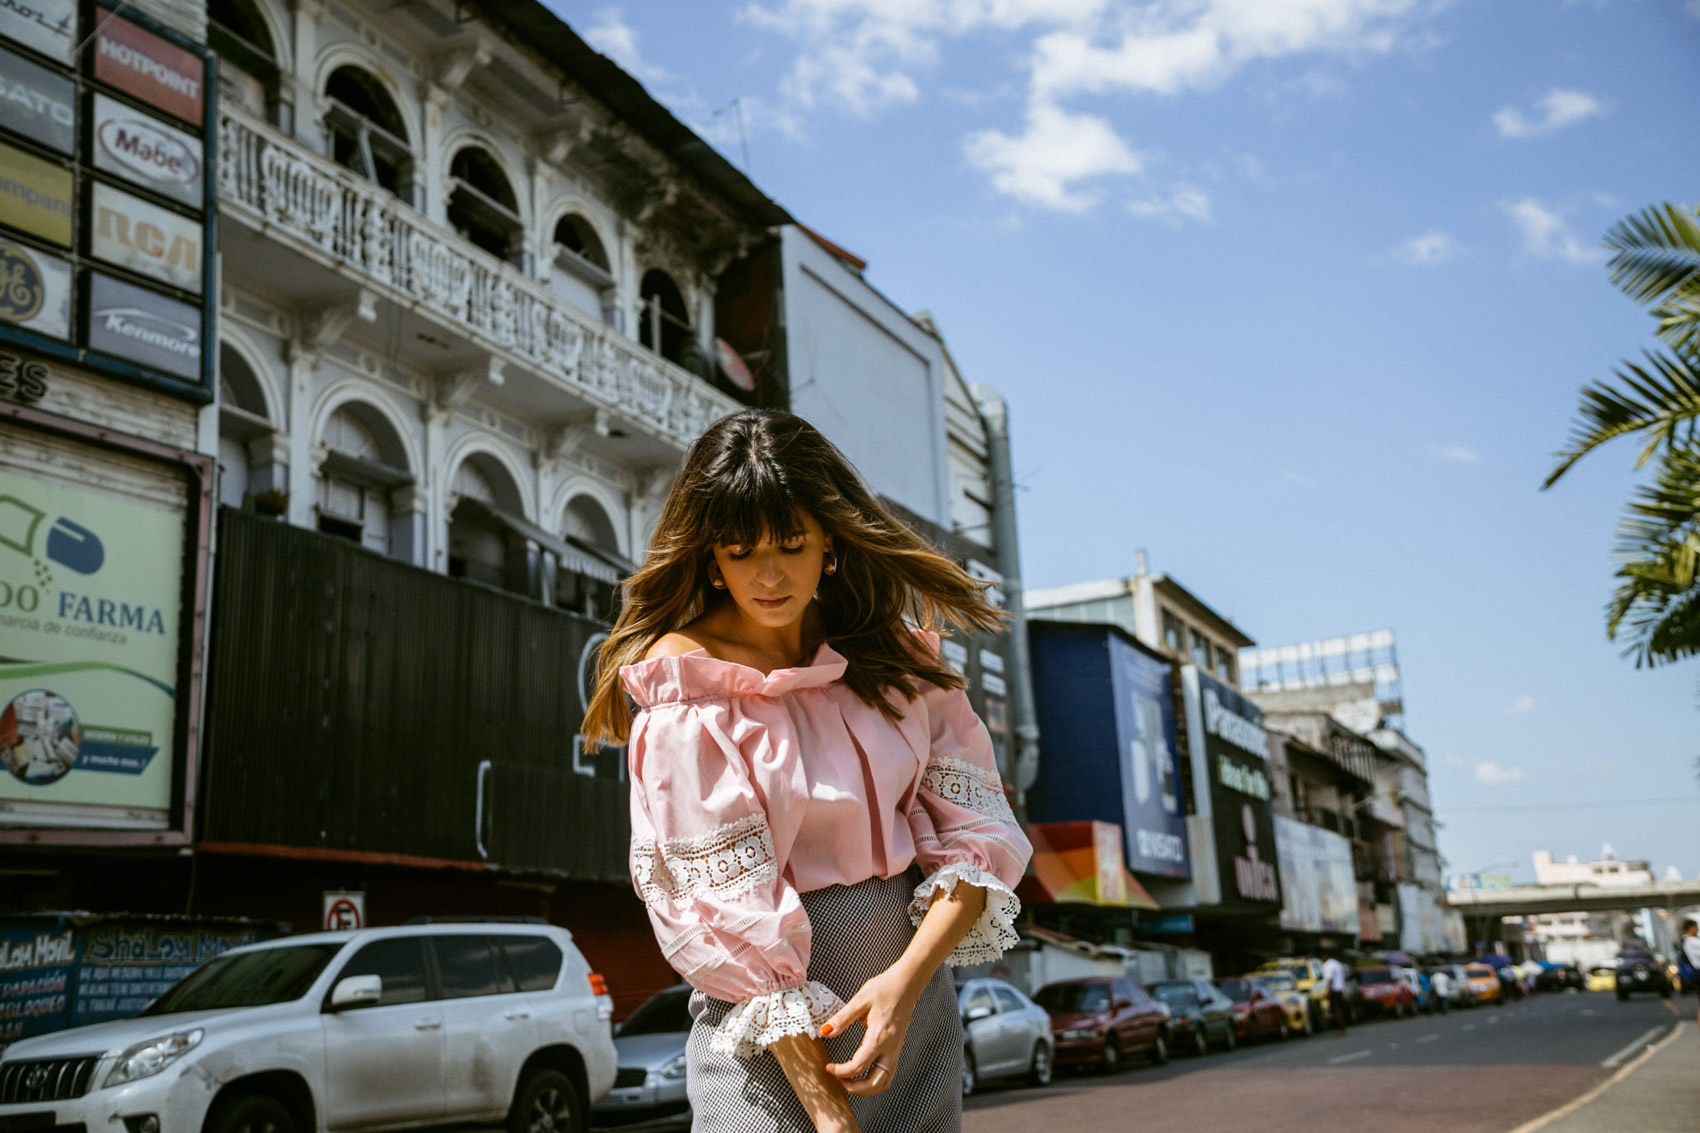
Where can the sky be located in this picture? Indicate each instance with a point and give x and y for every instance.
(1297, 296)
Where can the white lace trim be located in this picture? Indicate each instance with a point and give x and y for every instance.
(968, 785)
(727, 862)
(993, 934)
(751, 1026)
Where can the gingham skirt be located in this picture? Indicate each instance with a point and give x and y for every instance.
(858, 931)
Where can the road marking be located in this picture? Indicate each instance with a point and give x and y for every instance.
(1587, 1012)
(1392, 1046)
(1469, 1026)
(1493, 1018)
(1353, 1057)
(1630, 1050)
(1623, 1072)
(1428, 1038)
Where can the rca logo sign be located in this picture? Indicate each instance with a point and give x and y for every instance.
(146, 238)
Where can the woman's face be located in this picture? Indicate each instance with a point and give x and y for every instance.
(772, 582)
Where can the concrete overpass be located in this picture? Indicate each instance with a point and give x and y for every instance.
(1530, 900)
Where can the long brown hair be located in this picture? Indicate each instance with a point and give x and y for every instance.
(755, 474)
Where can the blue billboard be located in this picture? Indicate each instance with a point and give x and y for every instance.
(1154, 822)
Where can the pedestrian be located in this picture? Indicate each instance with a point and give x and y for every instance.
(818, 828)
(1441, 983)
(1334, 976)
(1688, 960)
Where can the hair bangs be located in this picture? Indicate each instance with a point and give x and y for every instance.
(750, 502)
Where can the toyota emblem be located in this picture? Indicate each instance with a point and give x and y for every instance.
(36, 1078)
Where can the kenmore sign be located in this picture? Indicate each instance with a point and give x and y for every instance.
(140, 326)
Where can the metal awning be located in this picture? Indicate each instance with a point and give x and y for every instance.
(573, 554)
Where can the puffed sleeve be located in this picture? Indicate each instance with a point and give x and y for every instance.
(703, 860)
(964, 829)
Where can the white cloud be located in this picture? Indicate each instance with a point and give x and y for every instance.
(1459, 454)
(1492, 774)
(1176, 206)
(1520, 706)
(615, 38)
(1056, 151)
(869, 54)
(1553, 111)
(1547, 235)
(1435, 246)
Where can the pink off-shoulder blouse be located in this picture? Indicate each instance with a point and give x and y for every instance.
(749, 789)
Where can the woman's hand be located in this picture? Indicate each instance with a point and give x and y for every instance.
(884, 1004)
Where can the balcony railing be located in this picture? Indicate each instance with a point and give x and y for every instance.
(395, 249)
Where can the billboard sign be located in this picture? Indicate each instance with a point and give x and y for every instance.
(1153, 824)
(146, 238)
(35, 196)
(145, 151)
(35, 291)
(37, 103)
(90, 595)
(48, 26)
(1318, 890)
(142, 64)
(1230, 760)
(144, 327)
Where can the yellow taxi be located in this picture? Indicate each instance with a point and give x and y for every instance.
(1295, 1002)
(1306, 972)
(1483, 981)
(1602, 978)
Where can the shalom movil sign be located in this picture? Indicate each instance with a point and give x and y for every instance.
(1230, 758)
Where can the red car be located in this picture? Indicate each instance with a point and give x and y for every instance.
(1101, 1020)
(1386, 993)
(1258, 1013)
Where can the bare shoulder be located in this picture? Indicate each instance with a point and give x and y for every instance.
(673, 645)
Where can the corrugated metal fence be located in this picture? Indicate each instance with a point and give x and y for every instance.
(358, 703)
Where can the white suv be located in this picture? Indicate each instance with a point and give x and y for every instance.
(378, 1029)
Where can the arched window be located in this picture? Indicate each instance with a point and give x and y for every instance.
(242, 420)
(238, 33)
(574, 233)
(664, 323)
(367, 131)
(588, 582)
(582, 274)
(483, 543)
(482, 206)
(363, 465)
(588, 523)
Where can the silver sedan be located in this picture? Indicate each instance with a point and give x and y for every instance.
(649, 1086)
(1004, 1035)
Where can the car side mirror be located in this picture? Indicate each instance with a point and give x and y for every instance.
(1123, 1004)
(356, 991)
(974, 1013)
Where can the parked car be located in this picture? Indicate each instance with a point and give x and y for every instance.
(1283, 987)
(1642, 971)
(1602, 978)
(1306, 972)
(1422, 990)
(1004, 1035)
(1101, 1020)
(1561, 977)
(412, 1025)
(1258, 1012)
(1484, 983)
(1199, 1015)
(649, 1084)
(1385, 993)
(1460, 993)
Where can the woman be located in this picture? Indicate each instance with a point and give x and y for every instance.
(799, 749)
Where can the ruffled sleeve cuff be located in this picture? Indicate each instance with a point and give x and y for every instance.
(751, 1026)
(994, 933)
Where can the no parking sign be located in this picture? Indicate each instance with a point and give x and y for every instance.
(344, 910)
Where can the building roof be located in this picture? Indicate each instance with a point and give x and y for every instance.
(1078, 592)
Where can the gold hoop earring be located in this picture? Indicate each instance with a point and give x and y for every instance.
(719, 583)
(832, 565)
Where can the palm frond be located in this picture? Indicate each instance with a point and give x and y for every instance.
(1661, 399)
(1656, 606)
(1655, 252)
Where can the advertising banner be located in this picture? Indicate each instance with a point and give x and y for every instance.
(142, 64)
(144, 327)
(35, 196)
(145, 151)
(35, 290)
(1318, 892)
(90, 595)
(146, 238)
(48, 26)
(1230, 760)
(1154, 825)
(37, 103)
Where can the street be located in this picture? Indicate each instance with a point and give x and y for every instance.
(1483, 1069)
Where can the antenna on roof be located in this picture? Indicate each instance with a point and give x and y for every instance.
(1141, 564)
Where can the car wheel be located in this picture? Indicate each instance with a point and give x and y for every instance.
(1664, 993)
(1160, 1050)
(1285, 1032)
(1232, 1042)
(546, 1102)
(1310, 1027)
(1112, 1055)
(1039, 1070)
(1622, 996)
(250, 1113)
(970, 1075)
(1200, 1044)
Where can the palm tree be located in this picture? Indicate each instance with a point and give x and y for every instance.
(1656, 606)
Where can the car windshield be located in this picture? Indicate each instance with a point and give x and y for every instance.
(1176, 995)
(1237, 990)
(1375, 977)
(1299, 973)
(665, 1014)
(1278, 983)
(247, 979)
(1073, 999)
